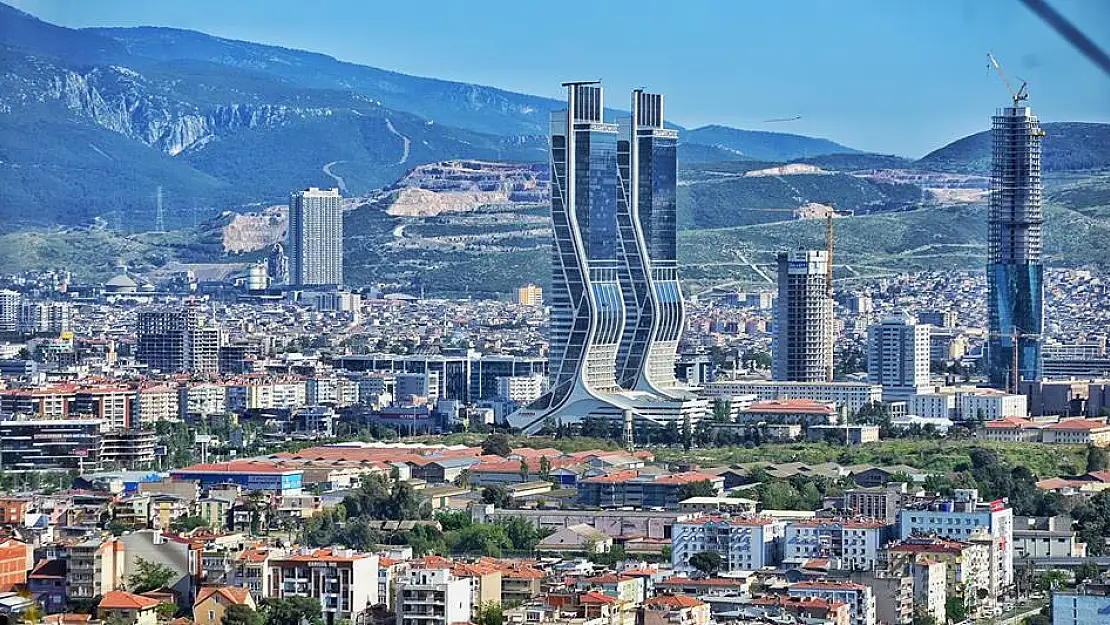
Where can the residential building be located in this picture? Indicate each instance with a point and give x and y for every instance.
(520, 389)
(882, 503)
(930, 588)
(674, 610)
(860, 599)
(893, 592)
(898, 356)
(95, 568)
(931, 405)
(44, 318)
(1015, 270)
(967, 565)
(120, 606)
(1046, 537)
(529, 295)
(213, 601)
(13, 510)
(744, 543)
(315, 238)
(433, 597)
(128, 449)
(847, 544)
(801, 609)
(640, 489)
(174, 340)
(9, 311)
(345, 582)
(16, 559)
(802, 343)
(961, 518)
(47, 584)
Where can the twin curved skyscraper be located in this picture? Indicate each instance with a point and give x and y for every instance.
(616, 305)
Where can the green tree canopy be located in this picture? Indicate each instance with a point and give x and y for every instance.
(704, 488)
(150, 576)
(292, 611)
(238, 614)
(708, 562)
(496, 444)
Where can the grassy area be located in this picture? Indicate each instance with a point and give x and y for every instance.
(941, 456)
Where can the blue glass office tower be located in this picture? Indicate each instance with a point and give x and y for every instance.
(1015, 273)
(587, 308)
(616, 308)
(646, 217)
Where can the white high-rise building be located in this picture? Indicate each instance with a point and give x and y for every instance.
(520, 388)
(898, 356)
(802, 347)
(315, 238)
(44, 317)
(9, 311)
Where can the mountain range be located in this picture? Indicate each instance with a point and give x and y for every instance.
(97, 123)
(93, 121)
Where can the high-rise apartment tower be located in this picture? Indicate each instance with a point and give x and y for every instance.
(315, 238)
(802, 343)
(898, 356)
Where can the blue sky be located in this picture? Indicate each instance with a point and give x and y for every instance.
(902, 77)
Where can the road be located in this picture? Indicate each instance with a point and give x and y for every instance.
(339, 182)
(406, 140)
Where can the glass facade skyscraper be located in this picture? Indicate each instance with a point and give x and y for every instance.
(1015, 270)
(647, 159)
(616, 307)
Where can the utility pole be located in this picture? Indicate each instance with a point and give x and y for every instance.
(159, 217)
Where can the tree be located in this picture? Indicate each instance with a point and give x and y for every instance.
(452, 520)
(921, 616)
(165, 611)
(545, 467)
(1098, 459)
(956, 609)
(186, 524)
(292, 611)
(497, 495)
(704, 488)
(1086, 571)
(239, 614)
(524, 470)
(1052, 580)
(708, 562)
(150, 576)
(522, 533)
(496, 445)
(480, 538)
(489, 613)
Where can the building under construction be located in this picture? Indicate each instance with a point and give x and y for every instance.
(802, 343)
(1015, 272)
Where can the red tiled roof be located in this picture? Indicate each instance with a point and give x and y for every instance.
(1011, 422)
(826, 586)
(674, 601)
(704, 581)
(592, 597)
(235, 466)
(1078, 424)
(234, 594)
(122, 600)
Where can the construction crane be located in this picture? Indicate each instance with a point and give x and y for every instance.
(829, 252)
(1015, 336)
(1020, 95)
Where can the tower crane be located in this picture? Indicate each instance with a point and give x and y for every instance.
(1020, 95)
